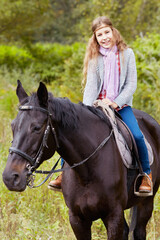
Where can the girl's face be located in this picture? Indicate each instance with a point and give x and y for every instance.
(104, 37)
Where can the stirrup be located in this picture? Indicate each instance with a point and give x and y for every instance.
(135, 186)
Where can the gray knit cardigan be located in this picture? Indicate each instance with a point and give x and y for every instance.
(128, 79)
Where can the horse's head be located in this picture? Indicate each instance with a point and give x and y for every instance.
(31, 138)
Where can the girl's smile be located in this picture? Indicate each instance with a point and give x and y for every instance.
(104, 36)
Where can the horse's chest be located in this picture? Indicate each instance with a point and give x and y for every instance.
(89, 204)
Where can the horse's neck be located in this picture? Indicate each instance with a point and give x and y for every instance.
(79, 144)
(72, 154)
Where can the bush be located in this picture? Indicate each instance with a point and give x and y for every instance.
(147, 52)
(54, 64)
(147, 95)
(15, 57)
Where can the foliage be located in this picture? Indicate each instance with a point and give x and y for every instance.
(63, 19)
(20, 19)
(58, 65)
(68, 21)
(73, 18)
(147, 52)
(14, 57)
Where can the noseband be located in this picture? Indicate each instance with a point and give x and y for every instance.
(34, 162)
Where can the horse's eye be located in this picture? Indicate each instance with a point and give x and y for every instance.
(36, 128)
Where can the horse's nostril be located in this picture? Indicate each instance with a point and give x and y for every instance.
(15, 178)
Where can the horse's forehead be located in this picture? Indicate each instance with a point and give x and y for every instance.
(26, 117)
(21, 119)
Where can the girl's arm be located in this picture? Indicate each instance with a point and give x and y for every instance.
(130, 83)
(91, 87)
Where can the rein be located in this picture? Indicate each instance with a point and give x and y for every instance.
(34, 162)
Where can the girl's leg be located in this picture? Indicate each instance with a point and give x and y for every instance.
(56, 184)
(62, 162)
(129, 118)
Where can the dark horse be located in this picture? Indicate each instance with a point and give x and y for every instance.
(98, 187)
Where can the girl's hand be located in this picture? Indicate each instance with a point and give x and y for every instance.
(107, 101)
(114, 105)
(110, 103)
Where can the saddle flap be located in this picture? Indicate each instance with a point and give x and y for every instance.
(127, 135)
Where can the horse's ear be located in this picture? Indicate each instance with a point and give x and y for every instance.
(42, 94)
(22, 95)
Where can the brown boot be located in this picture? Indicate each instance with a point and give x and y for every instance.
(56, 183)
(146, 185)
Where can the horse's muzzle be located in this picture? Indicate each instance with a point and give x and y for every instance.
(14, 181)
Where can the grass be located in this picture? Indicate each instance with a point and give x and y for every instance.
(39, 214)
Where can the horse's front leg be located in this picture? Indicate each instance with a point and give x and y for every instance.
(125, 230)
(143, 214)
(114, 223)
(81, 228)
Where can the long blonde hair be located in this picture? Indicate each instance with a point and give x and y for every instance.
(92, 50)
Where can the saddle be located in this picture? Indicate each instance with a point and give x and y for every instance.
(128, 137)
(125, 141)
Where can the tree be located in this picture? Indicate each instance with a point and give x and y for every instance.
(67, 21)
(63, 21)
(20, 19)
(130, 17)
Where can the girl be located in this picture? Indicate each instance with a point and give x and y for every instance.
(110, 75)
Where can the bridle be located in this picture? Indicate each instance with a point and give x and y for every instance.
(35, 161)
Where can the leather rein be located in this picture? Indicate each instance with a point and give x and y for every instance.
(35, 161)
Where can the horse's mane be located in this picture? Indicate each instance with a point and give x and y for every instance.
(66, 112)
(97, 111)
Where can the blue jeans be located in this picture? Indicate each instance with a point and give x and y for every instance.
(130, 120)
(62, 162)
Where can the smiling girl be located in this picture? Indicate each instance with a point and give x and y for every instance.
(110, 75)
